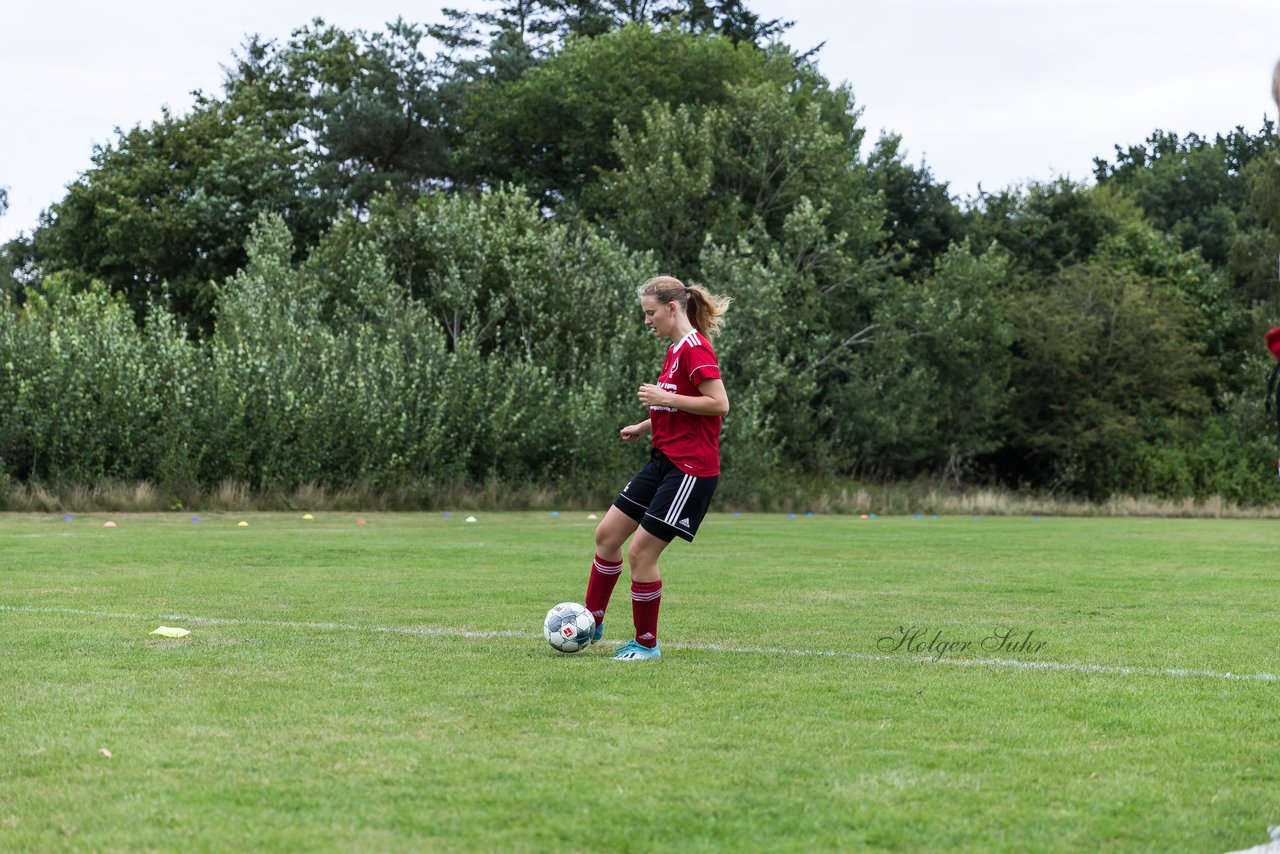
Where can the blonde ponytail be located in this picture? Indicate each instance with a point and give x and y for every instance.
(704, 309)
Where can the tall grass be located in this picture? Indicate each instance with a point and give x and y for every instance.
(888, 499)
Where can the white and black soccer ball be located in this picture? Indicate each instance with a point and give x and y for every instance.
(568, 627)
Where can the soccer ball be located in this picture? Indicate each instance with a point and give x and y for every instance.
(568, 627)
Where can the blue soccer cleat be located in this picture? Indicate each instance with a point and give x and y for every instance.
(599, 631)
(632, 651)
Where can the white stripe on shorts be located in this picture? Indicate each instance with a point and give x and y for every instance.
(632, 500)
(682, 495)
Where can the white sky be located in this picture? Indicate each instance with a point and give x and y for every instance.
(990, 92)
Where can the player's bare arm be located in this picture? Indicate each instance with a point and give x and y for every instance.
(714, 400)
(636, 431)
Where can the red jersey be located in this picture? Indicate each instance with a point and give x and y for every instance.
(691, 442)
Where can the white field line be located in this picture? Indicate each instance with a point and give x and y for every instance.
(428, 631)
(433, 631)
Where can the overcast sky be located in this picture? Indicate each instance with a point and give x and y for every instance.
(987, 92)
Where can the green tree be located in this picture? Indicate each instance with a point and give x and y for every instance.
(1103, 365)
(18, 270)
(1192, 186)
(728, 18)
(551, 130)
(305, 131)
(931, 383)
(87, 394)
(10, 257)
(1044, 226)
(374, 112)
(921, 219)
(686, 180)
(1216, 322)
(590, 18)
(165, 210)
(1251, 257)
(738, 170)
(501, 43)
(507, 289)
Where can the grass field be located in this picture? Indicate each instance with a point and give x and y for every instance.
(386, 687)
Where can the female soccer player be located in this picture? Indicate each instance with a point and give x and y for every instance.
(670, 495)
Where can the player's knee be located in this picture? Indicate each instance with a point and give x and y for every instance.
(641, 552)
(608, 538)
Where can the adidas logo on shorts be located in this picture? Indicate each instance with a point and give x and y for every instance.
(684, 522)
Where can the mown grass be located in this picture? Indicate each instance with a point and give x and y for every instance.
(323, 702)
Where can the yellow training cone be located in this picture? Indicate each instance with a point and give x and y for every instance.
(307, 516)
(243, 524)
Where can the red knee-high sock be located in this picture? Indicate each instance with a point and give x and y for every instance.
(604, 575)
(646, 596)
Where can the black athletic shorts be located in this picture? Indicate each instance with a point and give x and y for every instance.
(667, 502)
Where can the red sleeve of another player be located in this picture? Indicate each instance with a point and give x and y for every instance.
(702, 365)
